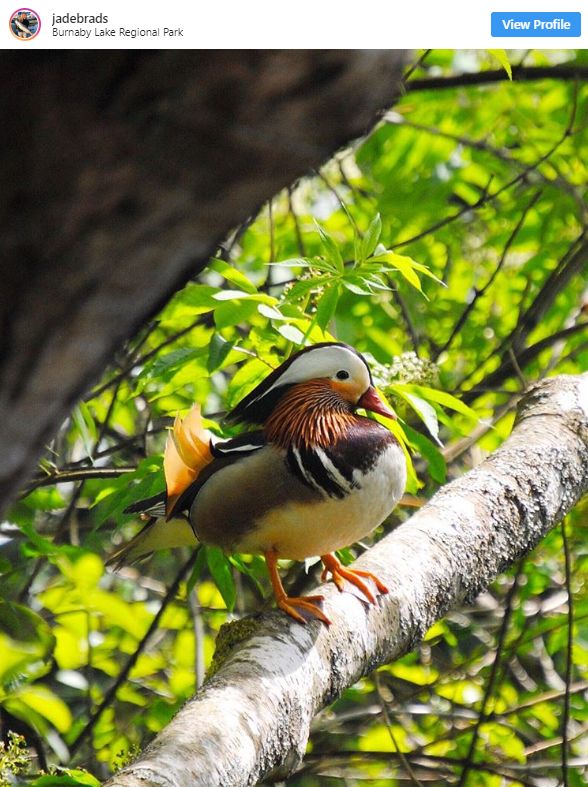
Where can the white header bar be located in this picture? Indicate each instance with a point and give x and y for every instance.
(308, 24)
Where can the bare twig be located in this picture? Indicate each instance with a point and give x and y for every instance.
(297, 230)
(490, 685)
(417, 63)
(124, 673)
(481, 291)
(487, 196)
(388, 720)
(567, 72)
(565, 722)
(83, 474)
(124, 373)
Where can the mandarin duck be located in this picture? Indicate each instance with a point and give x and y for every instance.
(313, 477)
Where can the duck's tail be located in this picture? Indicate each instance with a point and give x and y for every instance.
(157, 534)
(187, 452)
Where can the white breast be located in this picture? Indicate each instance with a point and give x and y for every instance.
(300, 530)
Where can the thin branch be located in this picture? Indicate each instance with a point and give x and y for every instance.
(567, 72)
(320, 760)
(297, 230)
(506, 368)
(407, 319)
(565, 724)
(570, 265)
(388, 721)
(83, 474)
(480, 292)
(320, 174)
(271, 231)
(200, 320)
(124, 673)
(487, 197)
(501, 154)
(417, 63)
(492, 677)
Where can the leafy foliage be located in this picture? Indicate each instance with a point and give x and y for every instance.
(449, 246)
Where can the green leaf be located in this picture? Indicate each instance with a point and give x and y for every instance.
(26, 645)
(82, 418)
(302, 288)
(226, 315)
(429, 452)
(249, 570)
(331, 250)
(407, 267)
(42, 545)
(371, 238)
(245, 379)
(194, 299)
(441, 397)
(412, 482)
(423, 409)
(165, 366)
(220, 568)
(218, 352)
(293, 262)
(27, 627)
(502, 57)
(41, 700)
(68, 777)
(327, 306)
(291, 333)
(44, 499)
(271, 312)
(231, 274)
(196, 572)
(239, 295)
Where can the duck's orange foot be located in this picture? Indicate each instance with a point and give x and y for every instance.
(306, 604)
(340, 573)
(301, 608)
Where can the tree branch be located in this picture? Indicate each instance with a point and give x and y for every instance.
(569, 72)
(251, 720)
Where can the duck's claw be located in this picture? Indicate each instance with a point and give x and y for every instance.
(293, 605)
(306, 604)
(340, 573)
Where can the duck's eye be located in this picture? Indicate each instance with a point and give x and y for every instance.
(342, 375)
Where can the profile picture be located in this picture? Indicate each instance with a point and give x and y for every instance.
(25, 24)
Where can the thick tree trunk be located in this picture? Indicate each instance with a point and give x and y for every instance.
(251, 720)
(120, 173)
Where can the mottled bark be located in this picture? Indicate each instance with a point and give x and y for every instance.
(120, 172)
(251, 720)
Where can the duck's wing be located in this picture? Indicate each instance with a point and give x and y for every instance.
(167, 526)
(224, 452)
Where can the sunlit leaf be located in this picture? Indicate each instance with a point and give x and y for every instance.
(232, 275)
(327, 306)
(331, 250)
(371, 238)
(220, 568)
(501, 56)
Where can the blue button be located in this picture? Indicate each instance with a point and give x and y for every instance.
(557, 24)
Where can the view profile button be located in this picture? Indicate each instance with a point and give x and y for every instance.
(555, 24)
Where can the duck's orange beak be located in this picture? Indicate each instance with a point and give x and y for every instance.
(371, 401)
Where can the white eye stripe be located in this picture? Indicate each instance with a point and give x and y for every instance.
(322, 362)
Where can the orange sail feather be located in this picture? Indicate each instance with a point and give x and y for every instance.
(187, 452)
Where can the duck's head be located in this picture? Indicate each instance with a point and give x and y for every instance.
(344, 371)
